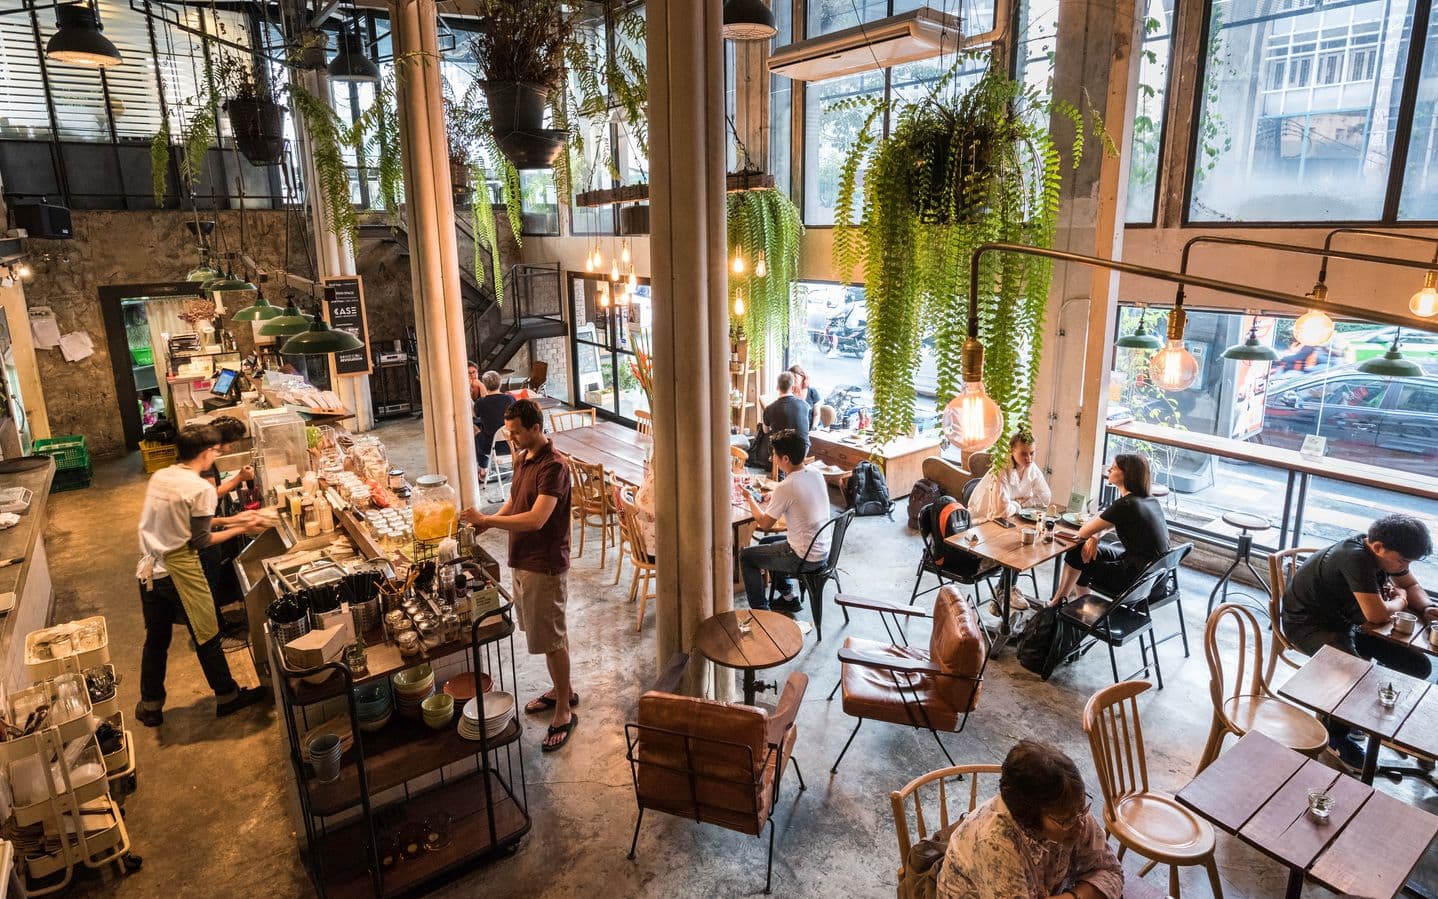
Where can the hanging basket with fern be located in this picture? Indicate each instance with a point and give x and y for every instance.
(764, 229)
(259, 129)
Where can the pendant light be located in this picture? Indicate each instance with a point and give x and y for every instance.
(258, 311)
(351, 64)
(1252, 349)
(748, 20)
(1424, 303)
(1141, 338)
(1314, 327)
(761, 266)
(632, 284)
(624, 255)
(736, 265)
(1173, 367)
(604, 298)
(320, 337)
(972, 420)
(614, 269)
(204, 271)
(738, 301)
(1391, 364)
(589, 261)
(292, 322)
(77, 39)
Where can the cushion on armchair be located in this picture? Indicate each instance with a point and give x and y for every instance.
(957, 646)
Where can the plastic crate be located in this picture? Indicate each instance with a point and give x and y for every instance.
(157, 455)
(69, 452)
(143, 355)
(77, 479)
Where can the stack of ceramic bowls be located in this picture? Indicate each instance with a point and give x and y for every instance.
(498, 712)
(438, 710)
(373, 705)
(412, 687)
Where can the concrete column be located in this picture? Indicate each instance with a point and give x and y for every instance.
(691, 414)
(1097, 51)
(334, 257)
(434, 260)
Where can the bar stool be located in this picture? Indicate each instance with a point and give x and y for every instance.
(1248, 524)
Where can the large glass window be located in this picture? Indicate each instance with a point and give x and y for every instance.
(609, 325)
(1300, 104)
(830, 127)
(1420, 177)
(1148, 114)
(1310, 392)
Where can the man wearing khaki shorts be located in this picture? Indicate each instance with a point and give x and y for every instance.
(536, 515)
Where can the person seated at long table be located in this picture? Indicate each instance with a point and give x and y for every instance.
(1014, 485)
(1363, 579)
(1135, 517)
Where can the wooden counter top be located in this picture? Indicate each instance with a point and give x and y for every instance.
(30, 580)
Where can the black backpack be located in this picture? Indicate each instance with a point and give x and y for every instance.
(1046, 641)
(867, 493)
(761, 450)
(945, 517)
(925, 491)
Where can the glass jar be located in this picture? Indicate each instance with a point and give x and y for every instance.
(436, 508)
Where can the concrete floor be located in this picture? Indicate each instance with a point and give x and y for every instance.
(211, 814)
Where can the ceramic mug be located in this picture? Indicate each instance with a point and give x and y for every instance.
(1029, 535)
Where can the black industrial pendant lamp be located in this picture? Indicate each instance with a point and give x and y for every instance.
(320, 337)
(1392, 364)
(77, 39)
(748, 20)
(351, 64)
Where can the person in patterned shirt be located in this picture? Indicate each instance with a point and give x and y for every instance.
(1035, 840)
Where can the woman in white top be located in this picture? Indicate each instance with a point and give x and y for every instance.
(1012, 486)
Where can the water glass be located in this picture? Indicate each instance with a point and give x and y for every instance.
(1320, 805)
(1388, 695)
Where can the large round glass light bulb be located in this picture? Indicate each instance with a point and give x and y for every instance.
(1424, 303)
(1173, 367)
(1313, 328)
(972, 420)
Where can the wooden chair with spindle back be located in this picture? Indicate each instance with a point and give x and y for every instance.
(1149, 822)
(569, 419)
(1281, 568)
(913, 794)
(644, 422)
(594, 506)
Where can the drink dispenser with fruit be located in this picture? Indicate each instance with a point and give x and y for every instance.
(436, 508)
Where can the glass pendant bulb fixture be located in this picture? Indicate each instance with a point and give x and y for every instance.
(1424, 303)
(614, 270)
(204, 271)
(77, 39)
(1252, 349)
(1173, 367)
(604, 299)
(737, 264)
(972, 420)
(761, 266)
(624, 254)
(589, 261)
(1391, 364)
(739, 301)
(1314, 327)
(633, 283)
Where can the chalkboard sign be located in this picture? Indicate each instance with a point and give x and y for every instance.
(346, 313)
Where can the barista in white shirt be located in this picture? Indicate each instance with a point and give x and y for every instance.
(801, 499)
(1014, 485)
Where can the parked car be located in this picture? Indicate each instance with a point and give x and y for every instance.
(1365, 418)
(1420, 346)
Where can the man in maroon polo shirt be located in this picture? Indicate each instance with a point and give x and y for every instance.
(536, 515)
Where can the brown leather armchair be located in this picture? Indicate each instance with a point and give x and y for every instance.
(934, 688)
(720, 763)
(950, 476)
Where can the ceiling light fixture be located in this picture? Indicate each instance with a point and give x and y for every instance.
(1424, 303)
(1173, 367)
(1391, 364)
(320, 337)
(1252, 349)
(748, 20)
(1141, 338)
(77, 39)
(351, 64)
(290, 323)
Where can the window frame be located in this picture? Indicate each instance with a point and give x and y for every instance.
(1402, 132)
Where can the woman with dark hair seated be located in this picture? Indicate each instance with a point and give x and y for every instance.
(1135, 517)
(1035, 840)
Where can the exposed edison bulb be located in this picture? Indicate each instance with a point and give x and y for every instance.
(1173, 367)
(624, 254)
(739, 301)
(24, 272)
(603, 299)
(761, 266)
(589, 261)
(633, 283)
(614, 270)
(1424, 303)
(1313, 328)
(622, 298)
(972, 420)
(737, 266)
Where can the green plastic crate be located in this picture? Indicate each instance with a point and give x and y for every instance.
(69, 452)
(143, 355)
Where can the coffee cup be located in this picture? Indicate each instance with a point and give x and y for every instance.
(1433, 633)
(1029, 535)
(1404, 622)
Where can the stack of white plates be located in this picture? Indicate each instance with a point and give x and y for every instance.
(498, 712)
(412, 687)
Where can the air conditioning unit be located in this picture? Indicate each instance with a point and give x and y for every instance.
(923, 33)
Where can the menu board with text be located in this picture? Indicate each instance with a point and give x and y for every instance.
(346, 313)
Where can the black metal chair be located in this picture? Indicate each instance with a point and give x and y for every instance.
(1115, 620)
(815, 575)
(949, 564)
(1166, 593)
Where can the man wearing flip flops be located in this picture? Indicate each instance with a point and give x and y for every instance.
(536, 515)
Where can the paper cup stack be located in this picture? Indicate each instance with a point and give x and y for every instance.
(498, 711)
(412, 687)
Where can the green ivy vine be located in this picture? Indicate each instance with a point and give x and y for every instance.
(958, 169)
(764, 221)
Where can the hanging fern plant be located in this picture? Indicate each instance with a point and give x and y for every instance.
(764, 225)
(957, 170)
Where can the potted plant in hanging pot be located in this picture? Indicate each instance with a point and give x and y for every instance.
(520, 48)
(464, 121)
(257, 119)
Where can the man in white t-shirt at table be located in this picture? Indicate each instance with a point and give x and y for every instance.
(801, 500)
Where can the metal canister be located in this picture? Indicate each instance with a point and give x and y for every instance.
(396, 479)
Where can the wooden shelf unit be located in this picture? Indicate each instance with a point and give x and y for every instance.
(743, 377)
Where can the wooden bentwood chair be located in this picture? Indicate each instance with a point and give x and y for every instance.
(569, 419)
(1281, 568)
(1149, 822)
(934, 688)
(1246, 703)
(913, 792)
(711, 761)
(593, 506)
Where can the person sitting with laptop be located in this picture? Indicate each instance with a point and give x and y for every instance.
(1363, 579)
(801, 499)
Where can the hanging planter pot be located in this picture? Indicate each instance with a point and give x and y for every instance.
(258, 126)
(533, 149)
(516, 112)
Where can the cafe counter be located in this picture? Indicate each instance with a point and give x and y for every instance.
(25, 594)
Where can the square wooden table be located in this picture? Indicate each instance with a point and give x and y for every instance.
(1258, 791)
(1418, 640)
(1006, 547)
(1345, 687)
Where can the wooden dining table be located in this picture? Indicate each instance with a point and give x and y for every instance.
(749, 640)
(1006, 547)
(1345, 687)
(1418, 640)
(1258, 791)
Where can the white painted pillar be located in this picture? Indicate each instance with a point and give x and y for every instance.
(691, 415)
(334, 257)
(434, 259)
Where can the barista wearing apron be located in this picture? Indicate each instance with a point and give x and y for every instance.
(218, 559)
(175, 525)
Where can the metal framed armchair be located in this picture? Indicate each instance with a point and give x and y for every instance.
(711, 761)
(934, 689)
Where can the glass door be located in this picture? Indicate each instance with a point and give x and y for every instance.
(610, 324)
(145, 369)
